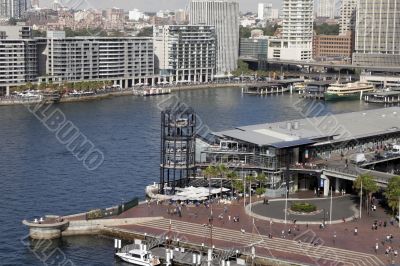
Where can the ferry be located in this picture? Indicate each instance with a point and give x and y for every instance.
(299, 87)
(138, 257)
(347, 91)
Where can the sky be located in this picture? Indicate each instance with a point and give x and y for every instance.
(154, 5)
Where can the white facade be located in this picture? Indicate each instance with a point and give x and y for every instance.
(266, 12)
(89, 58)
(13, 8)
(135, 15)
(298, 29)
(274, 13)
(347, 15)
(186, 52)
(224, 15)
(377, 36)
(326, 9)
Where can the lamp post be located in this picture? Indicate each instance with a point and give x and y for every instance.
(361, 194)
(330, 212)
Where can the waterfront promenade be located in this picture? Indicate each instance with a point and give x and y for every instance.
(14, 100)
(305, 243)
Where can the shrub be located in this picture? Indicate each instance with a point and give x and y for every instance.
(260, 191)
(303, 207)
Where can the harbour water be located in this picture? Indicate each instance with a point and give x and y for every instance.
(40, 176)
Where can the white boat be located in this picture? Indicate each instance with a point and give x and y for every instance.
(349, 91)
(151, 91)
(139, 257)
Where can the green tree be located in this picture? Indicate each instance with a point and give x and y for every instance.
(38, 34)
(232, 176)
(326, 29)
(261, 178)
(393, 193)
(244, 32)
(222, 172)
(260, 191)
(368, 185)
(146, 32)
(238, 186)
(210, 172)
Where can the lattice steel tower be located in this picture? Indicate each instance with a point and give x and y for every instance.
(178, 147)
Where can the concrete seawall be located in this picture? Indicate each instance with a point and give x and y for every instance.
(78, 227)
(7, 102)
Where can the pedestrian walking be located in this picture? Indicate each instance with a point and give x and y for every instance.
(334, 238)
(355, 231)
(376, 248)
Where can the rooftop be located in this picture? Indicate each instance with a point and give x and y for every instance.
(338, 128)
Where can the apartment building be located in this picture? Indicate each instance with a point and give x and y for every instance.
(18, 61)
(187, 52)
(86, 58)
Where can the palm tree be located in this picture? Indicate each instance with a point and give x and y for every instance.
(261, 178)
(393, 193)
(232, 176)
(367, 184)
(210, 171)
(222, 172)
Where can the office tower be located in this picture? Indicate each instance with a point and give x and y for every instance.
(224, 15)
(347, 16)
(377, 37)
(326, 9)
(13, 8)
(297, 29)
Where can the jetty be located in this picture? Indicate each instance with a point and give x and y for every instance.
(315, 89)
(383, 97)
(264, 89)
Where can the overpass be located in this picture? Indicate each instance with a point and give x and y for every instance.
(326, 64)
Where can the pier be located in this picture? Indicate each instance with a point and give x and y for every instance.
(383, 97)
(265, 89)
(316, 89)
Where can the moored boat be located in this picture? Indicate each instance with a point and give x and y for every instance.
(138, 257)
(151, 91)
(347, 91)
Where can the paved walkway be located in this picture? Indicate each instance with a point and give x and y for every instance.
(342, 208)
(304, 250)
(364, 242)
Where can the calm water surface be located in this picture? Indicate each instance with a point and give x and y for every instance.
(39, 176)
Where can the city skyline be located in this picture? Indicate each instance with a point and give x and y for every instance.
(155, 5)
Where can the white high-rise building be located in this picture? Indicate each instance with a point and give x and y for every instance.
(13, 8)
(326, 8)
(224, 15)
(297, 30)
(186, 52)
(136, 15)
(347, 15)
(377, 34)
(266, 12)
